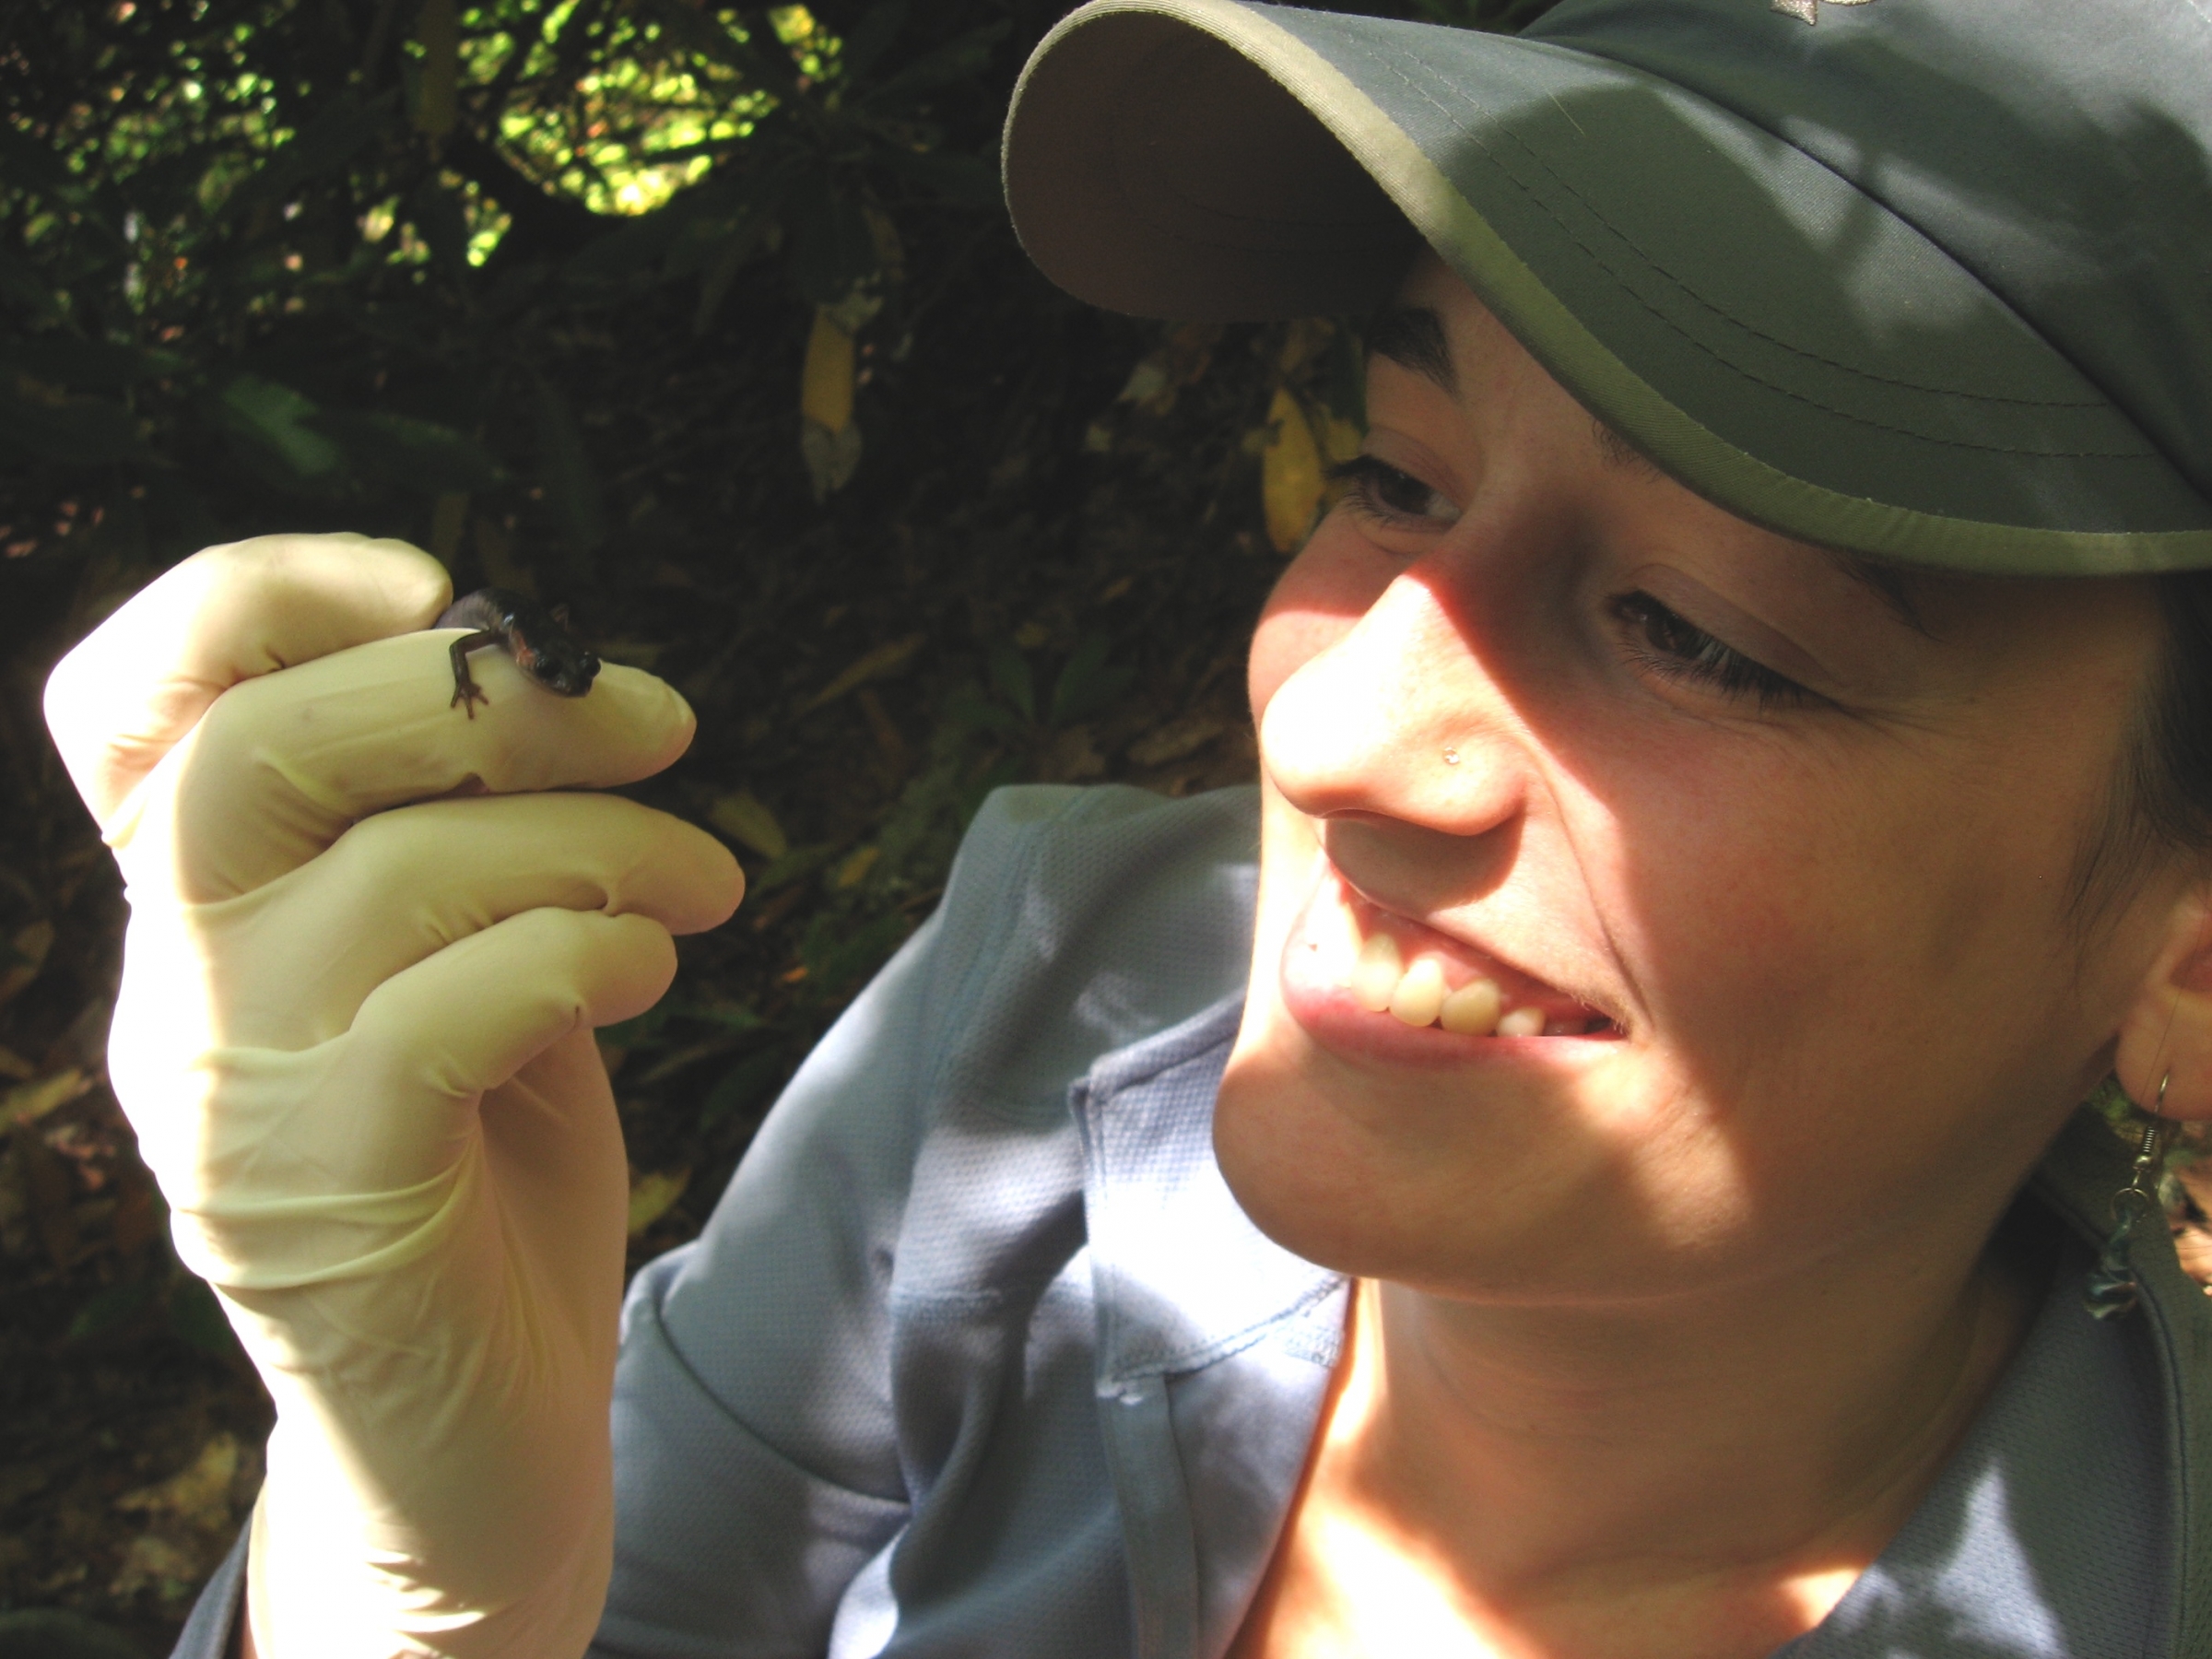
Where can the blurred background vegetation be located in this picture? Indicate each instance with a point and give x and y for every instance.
(702, 318)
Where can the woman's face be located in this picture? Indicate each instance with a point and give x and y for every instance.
(1782, 864)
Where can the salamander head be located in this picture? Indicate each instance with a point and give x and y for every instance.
(556, 662)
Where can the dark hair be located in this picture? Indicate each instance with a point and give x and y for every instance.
(2176, 787)
(2163, 798)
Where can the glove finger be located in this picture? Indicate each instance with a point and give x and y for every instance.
(401, 886)
(139, 682)
(370, 1128)
(355, 1157)
(469, 1017)
(281, 766)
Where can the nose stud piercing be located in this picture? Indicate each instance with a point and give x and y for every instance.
(1451, 756)
(2112, 1289)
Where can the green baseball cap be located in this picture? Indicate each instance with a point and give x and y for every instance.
(1929, 280)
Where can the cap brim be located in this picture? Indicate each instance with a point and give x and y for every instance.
(1762, 329)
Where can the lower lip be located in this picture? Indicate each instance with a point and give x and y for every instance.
(1313, 981)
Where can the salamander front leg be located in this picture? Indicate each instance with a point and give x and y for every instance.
(467, 693)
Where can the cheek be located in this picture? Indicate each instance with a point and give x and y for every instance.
(1899, 929)
(1327, 588)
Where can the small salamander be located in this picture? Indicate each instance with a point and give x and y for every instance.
(532, 635)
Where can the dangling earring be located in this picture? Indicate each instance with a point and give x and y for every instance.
(2112, 1289)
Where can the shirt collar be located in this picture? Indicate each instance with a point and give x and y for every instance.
(1183, 1278)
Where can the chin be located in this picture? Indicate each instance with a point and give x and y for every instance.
(1487, 1181)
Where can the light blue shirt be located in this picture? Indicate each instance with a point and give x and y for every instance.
(978, 1355)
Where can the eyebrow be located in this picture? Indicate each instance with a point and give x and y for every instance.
(1618, 452)
(1890, 583)
(1413, 337)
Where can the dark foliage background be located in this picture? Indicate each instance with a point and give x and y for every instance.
(701, 317)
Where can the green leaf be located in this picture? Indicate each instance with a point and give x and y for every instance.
(836, 952)
(438, 214)
(83, 431)
(22, 287)
(718, 263)
(104, 1310)
(278, 419)
(742, 1085)
(196, 1317)
(966, 181)
(628, 250)
(420, 455)
(89, 365)
(696, 32)
(733, 1016)
(833, 249)
(961, 60)
(968, 706)
(794, 864)
(32, 166)
(1087, 683)
(867, 39)
(637, 1033)
(325, 143)
(1010, 676)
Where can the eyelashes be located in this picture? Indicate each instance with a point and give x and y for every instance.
(1658, 639)
(1668, 644)
(1379, 490)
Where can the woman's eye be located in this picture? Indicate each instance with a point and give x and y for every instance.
(1668, 644)
(1380, 490)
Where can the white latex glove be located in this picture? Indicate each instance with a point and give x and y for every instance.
(354, 1038)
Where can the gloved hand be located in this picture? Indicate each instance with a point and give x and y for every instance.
(354, 1037)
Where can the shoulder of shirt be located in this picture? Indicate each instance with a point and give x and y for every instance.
(1078, 921)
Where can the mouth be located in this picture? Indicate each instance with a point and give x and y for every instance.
(1358, 976)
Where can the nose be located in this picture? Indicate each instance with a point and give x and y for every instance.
(1398, 718)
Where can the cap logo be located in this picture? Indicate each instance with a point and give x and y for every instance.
(1808, 11)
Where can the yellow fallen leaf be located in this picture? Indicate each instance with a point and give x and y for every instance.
(24, 956)
(1304, 341)
(746, 819)
(1290, 475)
(880, 663)
(200, 1493)
(831, 458)
(852, 869)
(1340, 441)
(651, 1197)
(27, 1102)
(826, 381)
(1176, 739)
(162, 1565)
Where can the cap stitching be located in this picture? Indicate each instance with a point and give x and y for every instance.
(1700, 301)
(1793, 394)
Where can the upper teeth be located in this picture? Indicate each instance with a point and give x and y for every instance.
(1473, 1008)
(1381, 982)
(1419, 998)
(1376, 974)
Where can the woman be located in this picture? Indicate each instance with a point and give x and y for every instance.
(1731, 787)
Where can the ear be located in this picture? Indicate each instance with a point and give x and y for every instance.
(2166, 1034)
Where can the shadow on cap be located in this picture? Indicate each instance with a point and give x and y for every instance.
(1925, 279)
